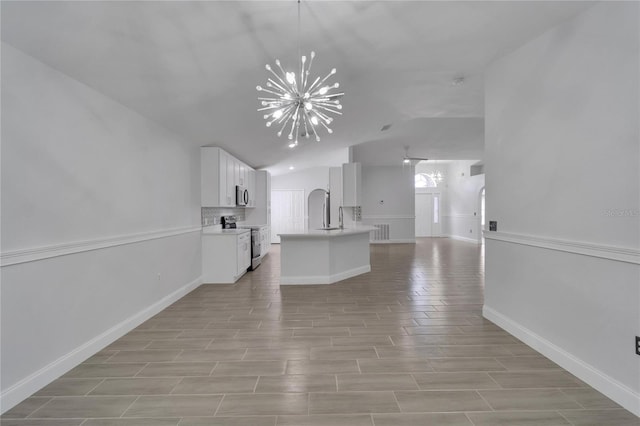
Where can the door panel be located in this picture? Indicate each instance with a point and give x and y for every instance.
(287, 212)
(428, 215)
(424, 214)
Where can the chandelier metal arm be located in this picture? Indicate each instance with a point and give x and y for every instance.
(296, 103)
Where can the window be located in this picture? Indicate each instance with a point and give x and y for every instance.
(423, 180)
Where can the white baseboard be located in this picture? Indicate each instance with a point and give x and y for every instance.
(398, 241)
(459, 238)
(325, 279)
(34, 382)
(605, 384)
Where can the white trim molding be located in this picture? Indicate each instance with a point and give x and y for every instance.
(32, 383)
(620, 254)
(609, 386)
(32, 254)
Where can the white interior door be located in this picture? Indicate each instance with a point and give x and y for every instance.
(424, 212)
(427, 215)
(287, 212)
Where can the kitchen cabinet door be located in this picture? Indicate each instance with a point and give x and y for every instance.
(231, 181)
(351, 184)
(244, 252)
(265, 240)
(213, 177)
(251, 186)
(242, 172)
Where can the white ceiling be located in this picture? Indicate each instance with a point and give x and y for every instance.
(193, 66)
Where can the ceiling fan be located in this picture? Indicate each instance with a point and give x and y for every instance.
(409, 160)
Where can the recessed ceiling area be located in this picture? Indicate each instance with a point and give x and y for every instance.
(438, 138)
(193, 66)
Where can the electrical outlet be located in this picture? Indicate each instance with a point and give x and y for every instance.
(637, 345)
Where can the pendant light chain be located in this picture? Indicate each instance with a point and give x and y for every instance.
(299, 53)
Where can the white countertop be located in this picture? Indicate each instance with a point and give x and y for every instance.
(217, 230)
(323, 233)
(248, 226)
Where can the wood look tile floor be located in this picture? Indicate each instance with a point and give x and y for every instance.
(403, 345)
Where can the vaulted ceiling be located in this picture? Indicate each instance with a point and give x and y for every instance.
(193, 66)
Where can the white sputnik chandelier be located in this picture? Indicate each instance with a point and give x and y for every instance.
(294, 103)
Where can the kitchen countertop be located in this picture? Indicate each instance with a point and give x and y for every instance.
(216, 230)
(325, 233)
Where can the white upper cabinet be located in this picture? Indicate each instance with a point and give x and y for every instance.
(351, 184)
(260, 196)
(214, 178)
(231, 180)
(242, 174)
(220, 174)
(251, 186)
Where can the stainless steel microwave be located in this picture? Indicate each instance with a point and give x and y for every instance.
(242, 196)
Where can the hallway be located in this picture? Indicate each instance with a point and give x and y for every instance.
(403, 345)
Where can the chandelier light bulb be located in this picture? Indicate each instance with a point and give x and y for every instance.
(299, 106)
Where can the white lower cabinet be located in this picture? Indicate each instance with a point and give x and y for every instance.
(244, 252)
(225, 256)
(265, 240)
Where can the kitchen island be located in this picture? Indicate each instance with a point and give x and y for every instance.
(324, 256)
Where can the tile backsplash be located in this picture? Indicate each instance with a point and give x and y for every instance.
(211, 215)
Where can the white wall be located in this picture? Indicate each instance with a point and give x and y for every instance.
(100, 221)
(461, 207)
(388, 196)
(562, 272)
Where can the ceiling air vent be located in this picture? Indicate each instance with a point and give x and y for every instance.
(386, 127)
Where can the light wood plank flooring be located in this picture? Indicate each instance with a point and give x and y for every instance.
(403, 345)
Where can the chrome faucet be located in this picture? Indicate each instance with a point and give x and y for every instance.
(340, 220)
